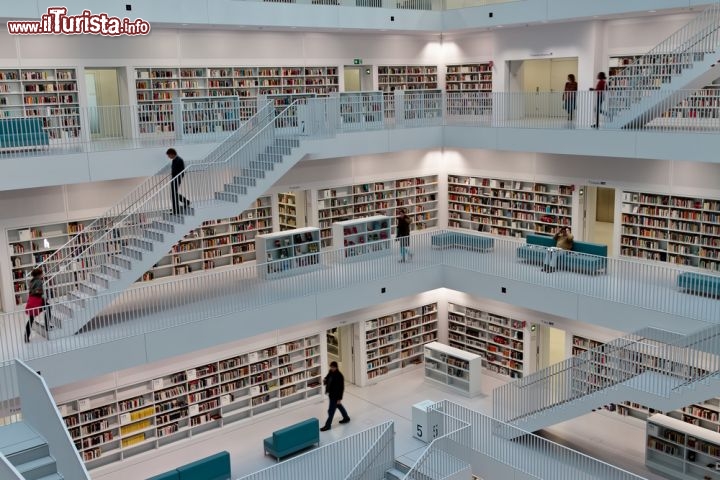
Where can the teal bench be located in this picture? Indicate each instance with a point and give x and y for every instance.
(466, 241)
(22, 132)
(699, 284)
(585, 257)
(292, 439)
(214, 467)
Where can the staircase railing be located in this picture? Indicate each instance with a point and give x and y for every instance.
(80, 251)
(670, 363)
(379, 458)
(647, 74)
(332, 461)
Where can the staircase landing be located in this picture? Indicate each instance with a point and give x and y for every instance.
(18, 437)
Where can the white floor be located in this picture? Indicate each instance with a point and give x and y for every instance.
(604, 435)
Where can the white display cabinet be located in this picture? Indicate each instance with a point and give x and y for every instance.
(288, 252)
(454, 368)
(363, 236)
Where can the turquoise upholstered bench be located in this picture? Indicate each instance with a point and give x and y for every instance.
(292, 439)
(214, 467)
(467, 241)
(585, 257)
(22, 132)
(699, 283)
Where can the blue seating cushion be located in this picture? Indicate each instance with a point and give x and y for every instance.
(172, 475)
(22, 132)
(699, 283)
(585, 257)
(294, 438)
(214, 467)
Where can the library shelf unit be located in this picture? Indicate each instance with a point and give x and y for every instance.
(362, 237)
(333, 345)
(418, 106)
(452, 367)
(508, 207)
(217, 243)
(289, 252)
(395, 342)
(498, 340)
(407, 77)
(469, 77)
(47, 93)
(418, 195)
(156, 87)
(671, 228)
(287, 211)
(582, 344)
(682, 451)
(116, 424)
(361, 110)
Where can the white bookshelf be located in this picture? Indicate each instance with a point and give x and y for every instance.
(361, 110)
(287, 211)
(469, 77)
(498, 340)
(582, 344)
(508, 207)
(682, 451)
(418, 107)
(217, 243)
(677, 229)
(210, 115)
(452, 367)
(418, 195)
(363, 236)
(395, 342)
(50, 94)
(407, 77)
(117, 424)
(289, 252)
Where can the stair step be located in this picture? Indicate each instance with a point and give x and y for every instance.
(68, 308)
(288, 142)
(248, 172)
(38, 468)
(122, 261)
(278, 149)
(258, 165)
(270, 157)
(141, 243)
(226, 197)
(100, 279)
(246, 180)
(237, 189)
(90, 287)
(154, 235)
(172, 218)
(111, 270)
(134, 252)
(31, 449)
(54, 476)
(163, 226)
(394, 474)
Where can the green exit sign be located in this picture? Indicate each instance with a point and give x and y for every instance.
(357, 61)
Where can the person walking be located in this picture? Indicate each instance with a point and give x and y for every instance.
(35, 301)
(177, 171)
(403, 234)
(335, 387)
(563, 241)
(570, 96)
(599, 90)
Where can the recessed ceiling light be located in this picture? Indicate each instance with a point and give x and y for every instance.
(184, 24)
(499, 26)
(652, 11)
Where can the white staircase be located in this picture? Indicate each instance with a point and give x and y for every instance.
(110, 254)
(668, 74)
(28, 452)
(654, 368)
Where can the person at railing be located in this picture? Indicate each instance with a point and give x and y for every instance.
(335, 387)
(403, 234)
(35, 301)
(570, 96)
(600, 88)
(177, 172)
(563, 241)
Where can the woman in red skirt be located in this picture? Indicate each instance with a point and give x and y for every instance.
(35, 301)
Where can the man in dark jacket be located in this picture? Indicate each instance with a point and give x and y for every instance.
(176, 173)
(335, 387)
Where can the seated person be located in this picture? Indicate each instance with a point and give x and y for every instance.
(563, 241)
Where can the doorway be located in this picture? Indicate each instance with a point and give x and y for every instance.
(541, 76)
(105, 117)
(598, 206)
(341, 349)
(358, 78)
(550, 346)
